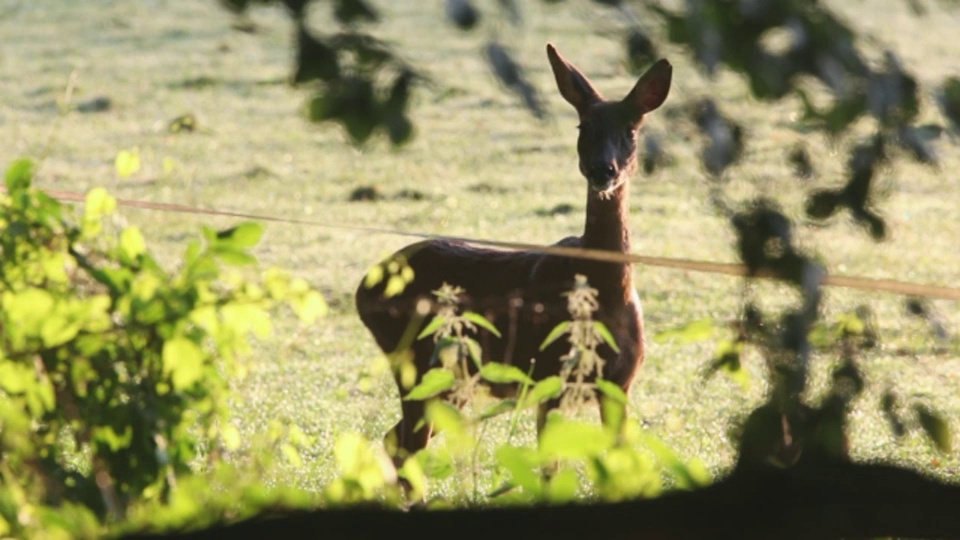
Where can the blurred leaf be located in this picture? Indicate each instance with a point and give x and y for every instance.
(640, 51)
(566, 439)
(558, 330)
(522, 464)
(399, 127)
(548, 388)
(823, 204)
(447, 419)
(725, 138)
(183, 360)
(727, 359)
(688, 477)
(127, 162)
(351, 11)
(435, 463)
(434, 382)
(936, 428)
(185, 123)
(562, 487)
(462, 13)
(496, 372)
(509, 72)
(236, 6)
(949, 100)
(499, 407)
(231, 437)
(316, 59)
(19, 175)
(296, 7)
(837, 118)
(800, 160)
(310, 307)
(699, 330)
(132, 244)
(481, 321)
(414, 473)
(916, 140)
(243, 236)
(431, 327)
(601, 329)
(612, 391)
(888, 405)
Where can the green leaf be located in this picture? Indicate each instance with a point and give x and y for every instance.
(244, 236)
(548, 388)
(413, 472)
(500, 407)
(233, 256)
(58, 328)
(936, 428)
(563, 487)
(727, 359)
(447, 419)
(523, 466)
(98, 203)
(431, 327)
(435, 463)
(612, 391)
(183, 360)
(247, 318)
(687, 477)
(481, 321)
(292, 454)
(127, 162)
(496, 372)
(310, 307)
(19, 175)
(689, 333)
(231, 437)
(395, 285)
(474, 350)
(113, 440)
(557, 331)
(374, 275)
(132, 244)
(606, 335)
(434, 382)
(566, 439)
(25, 313)
(15, 378)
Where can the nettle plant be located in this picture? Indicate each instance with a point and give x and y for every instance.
(114, 372)
(573, 458)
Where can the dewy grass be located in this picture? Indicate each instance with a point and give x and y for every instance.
(469, 134)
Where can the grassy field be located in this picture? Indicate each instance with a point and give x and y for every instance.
(484, 168)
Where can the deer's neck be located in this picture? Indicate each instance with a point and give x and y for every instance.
(607, 224)
(607, 228)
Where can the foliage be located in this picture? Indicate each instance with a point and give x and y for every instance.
(115, 373)
(619, 460)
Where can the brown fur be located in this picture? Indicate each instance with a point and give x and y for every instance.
(522, 292)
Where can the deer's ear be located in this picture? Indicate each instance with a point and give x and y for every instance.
(651, 90)
(574, 86)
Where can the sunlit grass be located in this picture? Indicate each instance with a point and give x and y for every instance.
(485, 169)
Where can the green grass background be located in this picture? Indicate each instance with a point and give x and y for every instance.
(486, 169)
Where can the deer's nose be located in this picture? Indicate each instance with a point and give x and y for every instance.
(603, 172)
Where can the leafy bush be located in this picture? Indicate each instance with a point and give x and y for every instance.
(114, 372)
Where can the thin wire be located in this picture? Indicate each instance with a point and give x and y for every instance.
(730, 269)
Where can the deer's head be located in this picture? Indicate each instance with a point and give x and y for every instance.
(607, 144)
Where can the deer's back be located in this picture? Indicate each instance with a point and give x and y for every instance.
(521, 293)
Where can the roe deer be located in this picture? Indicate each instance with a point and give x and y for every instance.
(521, 291)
